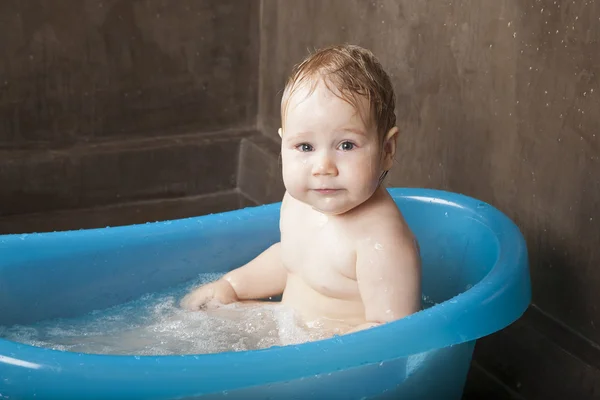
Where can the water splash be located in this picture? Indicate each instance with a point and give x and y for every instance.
(155, 325)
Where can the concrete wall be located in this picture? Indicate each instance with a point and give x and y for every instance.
(75, 71)
(105, 102)
(498, 100)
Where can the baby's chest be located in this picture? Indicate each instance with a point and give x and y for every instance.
(319, 250)
(325, 259)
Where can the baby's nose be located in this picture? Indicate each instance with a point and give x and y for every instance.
(325, 165)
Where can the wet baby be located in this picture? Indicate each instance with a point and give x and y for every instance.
(346, 260)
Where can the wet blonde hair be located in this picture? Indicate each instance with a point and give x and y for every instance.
(353, 72)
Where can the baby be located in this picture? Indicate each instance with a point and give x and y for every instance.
(346, 257)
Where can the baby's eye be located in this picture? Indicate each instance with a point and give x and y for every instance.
(304, 147)
(347, 146)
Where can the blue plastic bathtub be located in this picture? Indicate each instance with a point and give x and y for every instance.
(474, 267)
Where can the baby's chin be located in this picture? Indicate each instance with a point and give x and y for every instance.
(334, 207)
(331, 213)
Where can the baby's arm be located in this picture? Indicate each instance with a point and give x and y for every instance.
(262, 277)
(388, 271)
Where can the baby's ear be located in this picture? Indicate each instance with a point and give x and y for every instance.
(280, 132)
(389, 148)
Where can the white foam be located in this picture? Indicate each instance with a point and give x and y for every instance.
(156, 325)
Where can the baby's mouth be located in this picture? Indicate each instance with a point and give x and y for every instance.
(326, 191)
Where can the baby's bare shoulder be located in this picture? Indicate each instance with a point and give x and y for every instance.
(385, 225)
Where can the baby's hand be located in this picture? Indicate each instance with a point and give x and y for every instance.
(218, 292)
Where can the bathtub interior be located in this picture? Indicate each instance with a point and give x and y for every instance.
(68, 274)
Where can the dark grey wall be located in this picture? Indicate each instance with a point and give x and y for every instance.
(109, 101)
(75, 70)
(498, 100)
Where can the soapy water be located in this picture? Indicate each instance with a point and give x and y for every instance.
(155, 324)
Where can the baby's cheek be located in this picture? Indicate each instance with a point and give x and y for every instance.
(361, 166)
(298, 163)
(291, 169)
(293, 176)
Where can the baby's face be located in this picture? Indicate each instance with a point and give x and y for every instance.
(332, 158)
